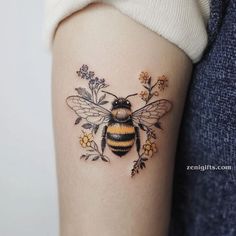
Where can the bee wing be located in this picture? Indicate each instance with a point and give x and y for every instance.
(151, 113)
(88, 110)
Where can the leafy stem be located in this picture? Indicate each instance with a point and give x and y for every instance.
(97, 155)
(149, 92)
(139, 164)
(149, 89)
(95, 84)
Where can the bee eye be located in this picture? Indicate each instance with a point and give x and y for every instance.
(127, 102)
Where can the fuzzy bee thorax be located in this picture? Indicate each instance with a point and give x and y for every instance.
(121, 113)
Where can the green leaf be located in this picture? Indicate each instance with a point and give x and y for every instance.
(95, 128)
(83, 92)
(94, 145)
(158, 125)
(90, 150)
(102, 98)
(82, 156)
(143, 165)
(78, 120)
(141, 127)
(103, 102)
(95, 158)
(104, 159)
(87, 126)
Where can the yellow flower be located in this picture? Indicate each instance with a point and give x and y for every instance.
(144, 77)
(144, 95)
(156, 94)
(149, 148)
(162, 82)
(86, 139)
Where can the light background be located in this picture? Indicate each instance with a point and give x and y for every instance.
(28, 198)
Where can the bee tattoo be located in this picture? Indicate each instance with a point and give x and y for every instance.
(120, 125)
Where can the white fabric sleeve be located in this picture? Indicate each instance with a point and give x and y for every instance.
(182, 22)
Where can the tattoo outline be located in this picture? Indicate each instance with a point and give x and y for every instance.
(121, 126)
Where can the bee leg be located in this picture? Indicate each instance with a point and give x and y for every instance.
(103, 142)
(137, 135)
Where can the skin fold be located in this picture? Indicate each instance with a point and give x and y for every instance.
(96, 197)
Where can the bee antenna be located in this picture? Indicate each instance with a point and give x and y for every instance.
(134, 94)
(110, 93)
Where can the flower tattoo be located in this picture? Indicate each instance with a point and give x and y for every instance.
(120, 125)
(162, 82)
(149, 148)
(86, 140)
(144, 77)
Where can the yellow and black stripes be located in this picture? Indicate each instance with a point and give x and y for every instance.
(120, 137)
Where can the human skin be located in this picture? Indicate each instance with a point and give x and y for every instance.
(95, 197)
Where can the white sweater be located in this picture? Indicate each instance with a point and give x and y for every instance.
(183, 22)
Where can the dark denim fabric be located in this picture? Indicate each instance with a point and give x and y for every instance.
(204, 202)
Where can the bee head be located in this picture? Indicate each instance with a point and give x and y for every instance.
(121, 103)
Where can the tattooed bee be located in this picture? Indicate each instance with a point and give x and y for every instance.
(121, 125)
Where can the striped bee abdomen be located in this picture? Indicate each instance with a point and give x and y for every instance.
(120, 138)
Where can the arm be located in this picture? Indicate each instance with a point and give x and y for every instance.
(96, 197)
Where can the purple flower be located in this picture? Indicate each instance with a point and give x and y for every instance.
(84, 68)
(92, 84)
(102, 81)
(83, 72)
(91, 74)
(92, 81)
